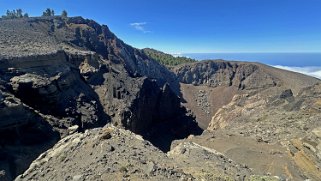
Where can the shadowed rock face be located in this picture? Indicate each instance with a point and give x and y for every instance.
(24, 134)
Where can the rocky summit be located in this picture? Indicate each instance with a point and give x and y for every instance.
(77, 103)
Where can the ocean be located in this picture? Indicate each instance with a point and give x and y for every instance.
(305, 63)
(284, 59)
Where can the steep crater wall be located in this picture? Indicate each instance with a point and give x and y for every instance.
(207, 86)
(223, 73)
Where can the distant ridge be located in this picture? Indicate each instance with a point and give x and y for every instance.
(167, 59)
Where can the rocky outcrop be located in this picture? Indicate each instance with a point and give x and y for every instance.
(153, 104)
(9, 106)
(111, 153)
(46, 35)
(85, 72)
(104, 154)
(142, 105)
(306, 153)
(190, 158)
(222, 73)
(54, 86)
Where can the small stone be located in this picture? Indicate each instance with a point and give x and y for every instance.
(317, 132)
(77, 177)
(73, 129)
(2, 173)
(110, 148)
(151, 167)
(106, 136)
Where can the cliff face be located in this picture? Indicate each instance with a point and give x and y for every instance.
(83, 71)
(54, 86)
(222, 73)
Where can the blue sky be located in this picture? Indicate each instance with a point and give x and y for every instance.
(185, 26)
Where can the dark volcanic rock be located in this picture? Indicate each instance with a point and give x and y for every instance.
(52, 85)
(153, 104)
(286, 94)
(24, 134)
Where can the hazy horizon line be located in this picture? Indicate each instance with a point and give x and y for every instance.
(234, 52)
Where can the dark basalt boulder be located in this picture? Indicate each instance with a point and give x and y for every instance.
(286, 94)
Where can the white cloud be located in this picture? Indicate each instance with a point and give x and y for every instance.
(311, 71)
(140, 26)
(176, 54)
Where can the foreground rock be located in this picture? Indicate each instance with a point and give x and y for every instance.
(104, 154)
(207, 164)
(111, 153)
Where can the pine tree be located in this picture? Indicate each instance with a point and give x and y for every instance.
(19, 13)
(48, 12)
(64, 14)
(13, 14)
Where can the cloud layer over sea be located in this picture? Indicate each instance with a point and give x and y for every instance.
(311, 71)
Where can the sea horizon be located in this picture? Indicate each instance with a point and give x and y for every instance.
(272, 58)
(308, 63)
